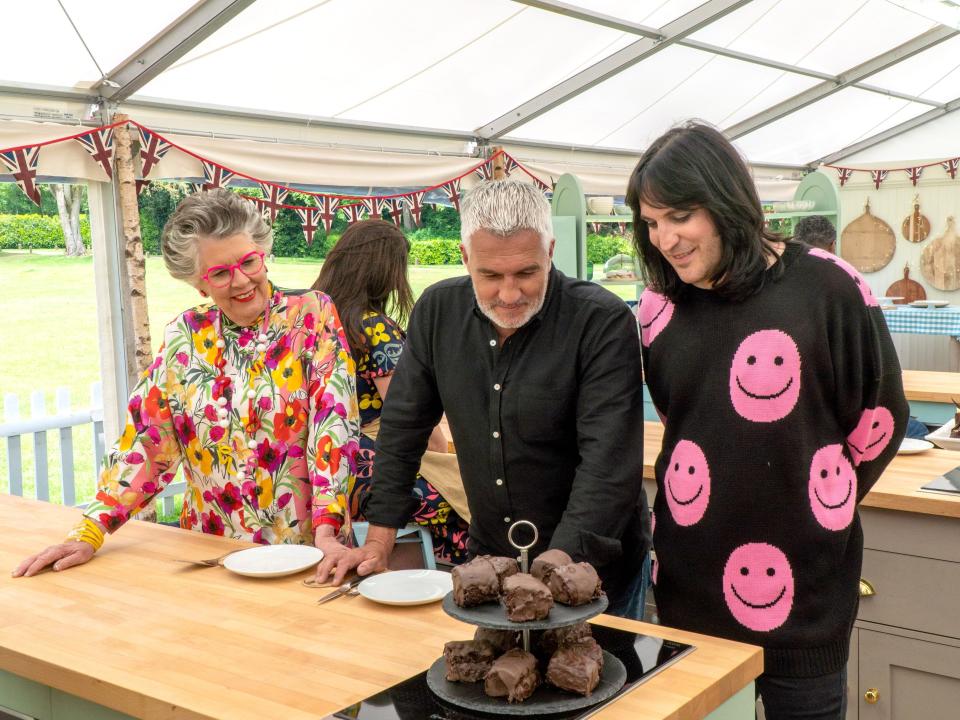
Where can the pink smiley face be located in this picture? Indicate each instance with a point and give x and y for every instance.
(758, 586)
(865, 292)
(832, 488)
(653, 314)
(871, 435)
(687, 483)
(765, 376)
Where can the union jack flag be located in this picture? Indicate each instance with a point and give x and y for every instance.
(371, 206)
(414, 203)
(152, 149)
(485, 171)
(951, 167)
(328, 209)
(354, 212)
(215, 176)
(142, 185)
(544, 188)
(309, 217)
(509, 165)
(23, 164)
(99, 143)
(878, 177)
(273, 197)
(452, 190)
(844, 174)
(595, 227)
(623, 228)
(396, 211)
(914, 174)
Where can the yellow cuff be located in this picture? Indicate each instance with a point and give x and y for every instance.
(87, 531)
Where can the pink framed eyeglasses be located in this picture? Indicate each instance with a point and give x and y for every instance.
(222, 275)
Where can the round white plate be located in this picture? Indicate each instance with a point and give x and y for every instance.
(273, 560)
(407, 587)
(912, 446)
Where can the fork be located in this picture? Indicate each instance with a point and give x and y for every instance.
(210, 562)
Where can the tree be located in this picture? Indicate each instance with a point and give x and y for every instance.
(69, 198)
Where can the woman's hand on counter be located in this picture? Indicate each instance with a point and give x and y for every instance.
(62, 556)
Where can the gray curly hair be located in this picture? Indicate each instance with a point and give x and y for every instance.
(505, 207)
(217, 214)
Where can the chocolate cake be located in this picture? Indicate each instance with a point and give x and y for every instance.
(502, 640)
(468, 660)
(513, 675)
(474, 583)
(546, 561)
(526, 598)
(574, 584)
(503, 566)
(551, 640)
(576, 667)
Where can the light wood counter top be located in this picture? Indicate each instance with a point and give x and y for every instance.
(897, 488)
(142, 634)
(931, 386)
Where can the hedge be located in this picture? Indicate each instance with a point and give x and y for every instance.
(438, 251)
(602, 247)
(37, 232)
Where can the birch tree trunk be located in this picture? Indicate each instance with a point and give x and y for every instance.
(68, 207)
(125, 178)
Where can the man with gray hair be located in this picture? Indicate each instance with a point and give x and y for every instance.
(539, 377)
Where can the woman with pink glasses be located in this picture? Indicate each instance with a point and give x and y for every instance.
(252, 395)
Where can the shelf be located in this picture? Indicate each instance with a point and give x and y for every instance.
(804, 213)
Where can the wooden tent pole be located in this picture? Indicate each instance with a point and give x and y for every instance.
(499, 163)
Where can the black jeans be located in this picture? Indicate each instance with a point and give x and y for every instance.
(816, 698)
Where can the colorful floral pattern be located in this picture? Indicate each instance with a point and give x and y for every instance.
(449, 531)
(304, 426)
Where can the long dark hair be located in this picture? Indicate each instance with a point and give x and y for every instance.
(695, 166)
(366, 271)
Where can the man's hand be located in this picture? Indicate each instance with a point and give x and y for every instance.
(370, 558)
(62, 556)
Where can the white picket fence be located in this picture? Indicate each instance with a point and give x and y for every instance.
(13, 428)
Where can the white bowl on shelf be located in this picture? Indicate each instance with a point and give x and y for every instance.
(600, 205)
(941, 437)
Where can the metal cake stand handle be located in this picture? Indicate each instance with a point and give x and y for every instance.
(524, 562)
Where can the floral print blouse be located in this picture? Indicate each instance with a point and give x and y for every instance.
(299, 445)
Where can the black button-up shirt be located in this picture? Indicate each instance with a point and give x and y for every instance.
(548, 427)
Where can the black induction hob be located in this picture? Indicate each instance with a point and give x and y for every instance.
(642, 656)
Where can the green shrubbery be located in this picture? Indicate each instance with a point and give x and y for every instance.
(435, 251)
(602, 247)
(36, 232)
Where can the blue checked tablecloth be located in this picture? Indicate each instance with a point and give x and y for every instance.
(924, 321)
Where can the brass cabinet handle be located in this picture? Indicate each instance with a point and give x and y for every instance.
(866, 589)
(872, 696)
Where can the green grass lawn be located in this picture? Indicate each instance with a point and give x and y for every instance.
(48, 336)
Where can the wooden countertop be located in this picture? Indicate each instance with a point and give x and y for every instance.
(897, 488)
(930, 386)
(140, 633)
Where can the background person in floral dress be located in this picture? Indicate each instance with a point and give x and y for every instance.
(366, 276)
(252, 395)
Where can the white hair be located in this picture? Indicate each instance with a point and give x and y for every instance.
(504, 208)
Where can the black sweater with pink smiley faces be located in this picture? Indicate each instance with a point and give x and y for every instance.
(780, 413)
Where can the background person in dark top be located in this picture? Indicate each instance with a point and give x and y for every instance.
(816, 231)
(782, 400)
(540, 380)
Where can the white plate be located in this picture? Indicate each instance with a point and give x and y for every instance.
(273, 560)
(407, 587)
(941, 437)
(930, 303)
(912, 446)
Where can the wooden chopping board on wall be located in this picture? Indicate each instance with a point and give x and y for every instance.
(868, 243)
(940, 260)
(915, 227)
(907, 290)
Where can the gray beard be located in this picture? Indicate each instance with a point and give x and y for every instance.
(534, 308)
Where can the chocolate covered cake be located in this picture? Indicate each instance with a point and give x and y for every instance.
(576, 667)
(551, 640)
(475, 582)
(526, 598)
(513, 675)
(546, 561)
(502, 640)
(574, 584)
(503, 566)
(468, 660)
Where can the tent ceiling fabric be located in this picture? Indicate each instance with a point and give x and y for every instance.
(455, 65)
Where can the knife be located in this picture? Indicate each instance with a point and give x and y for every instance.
(342, 590)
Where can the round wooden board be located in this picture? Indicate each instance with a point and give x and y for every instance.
(940, 260)
(868, 243)
(920, 233)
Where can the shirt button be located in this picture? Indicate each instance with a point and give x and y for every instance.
(506, 519)
(496, 386)
(493, 343)
(499, 481)
(496, 434)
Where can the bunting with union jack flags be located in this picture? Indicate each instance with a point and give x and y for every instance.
(914, 174)
(414, 203)
(328, 209)
(215, 176)
(22, 163)
(396, 211)
(485, 171)
(99, 144)
(452, 190)
(509, 164)
(309, 217)
(152, 149)
(355, 212)
(951, 167)
(273, 197)
(878, 177)
(844, 174)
